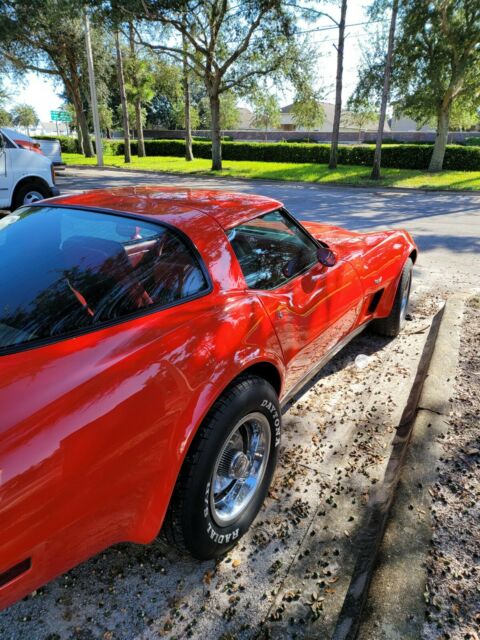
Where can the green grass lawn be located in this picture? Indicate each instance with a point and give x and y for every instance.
(319, 173)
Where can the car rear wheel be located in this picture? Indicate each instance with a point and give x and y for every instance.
(227, 471)
(29, 193)
(393, 324)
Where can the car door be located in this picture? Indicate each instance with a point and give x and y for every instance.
(312, 307)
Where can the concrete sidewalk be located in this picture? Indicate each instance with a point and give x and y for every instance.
(397, 603)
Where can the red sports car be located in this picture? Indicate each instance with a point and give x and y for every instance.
(148, 340)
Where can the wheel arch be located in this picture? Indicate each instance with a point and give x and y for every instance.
(267, 371)
(33, 179)
(152, 515)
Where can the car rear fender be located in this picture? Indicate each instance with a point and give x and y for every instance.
(244, 341)
(380, 268)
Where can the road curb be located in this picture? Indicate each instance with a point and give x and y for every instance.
(297, 183)
(391, 562)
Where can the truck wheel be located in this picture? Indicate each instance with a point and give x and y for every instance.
(29, 193)
(227, 471)
(393, 324)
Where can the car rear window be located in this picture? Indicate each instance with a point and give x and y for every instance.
(64, 270)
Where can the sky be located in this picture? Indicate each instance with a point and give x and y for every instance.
(44, 95)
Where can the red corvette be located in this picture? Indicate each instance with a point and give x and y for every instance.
(148, 339)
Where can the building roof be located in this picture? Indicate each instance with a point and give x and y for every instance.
(228, 209)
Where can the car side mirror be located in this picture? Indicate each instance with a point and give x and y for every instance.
(326, 257)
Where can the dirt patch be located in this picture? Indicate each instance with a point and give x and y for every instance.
(453, 591)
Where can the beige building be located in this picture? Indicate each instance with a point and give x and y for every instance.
(407, 124)
(245, 119)
(346, 125)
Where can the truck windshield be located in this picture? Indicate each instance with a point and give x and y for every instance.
(64, 270)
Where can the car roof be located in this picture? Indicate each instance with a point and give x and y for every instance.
(16, 135)
(228, 208)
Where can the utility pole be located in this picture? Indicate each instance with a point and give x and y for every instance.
(93, 92)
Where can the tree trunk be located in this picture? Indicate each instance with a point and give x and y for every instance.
(377, 159)
(186, 94)
(83, 126)
(338, 89)
(80, 138)
(138, 99)
(71, 81)
(123, 98)
(139, 124)
(84, 142)
(443, 119)
(216, 134)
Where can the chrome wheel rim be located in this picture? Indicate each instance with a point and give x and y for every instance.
(405, 298)
(32, 196)
(240, 468)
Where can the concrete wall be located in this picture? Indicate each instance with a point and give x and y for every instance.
(350, 137)
(256, 135)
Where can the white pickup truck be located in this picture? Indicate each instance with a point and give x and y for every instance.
(25, 176)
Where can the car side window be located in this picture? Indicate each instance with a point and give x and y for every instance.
(271, 250)
(77, 269)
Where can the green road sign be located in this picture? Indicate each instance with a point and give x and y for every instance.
(60, 116)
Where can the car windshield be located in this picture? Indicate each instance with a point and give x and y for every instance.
(65, 270)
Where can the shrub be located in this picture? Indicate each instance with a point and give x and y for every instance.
(394, 141)
(67, 144)
(460, 158)
(299, 140)
(472, 141)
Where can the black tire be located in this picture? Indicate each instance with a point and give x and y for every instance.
(22, 193)
(393, 323)
(191, 523)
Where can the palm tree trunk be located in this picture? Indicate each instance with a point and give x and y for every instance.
(377, 159)
(186, 94)
(216, 134)
(123, 98)
(138, 98)
(338, 89)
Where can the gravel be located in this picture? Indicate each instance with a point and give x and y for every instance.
(453, 586)
(288, 576)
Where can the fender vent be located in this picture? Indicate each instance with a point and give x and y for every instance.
(15, 571)
(375, 300)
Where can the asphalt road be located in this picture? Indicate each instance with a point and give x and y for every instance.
(446, 226)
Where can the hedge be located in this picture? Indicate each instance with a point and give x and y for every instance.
(399, 156)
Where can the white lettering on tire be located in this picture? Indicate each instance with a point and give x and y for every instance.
(222, 538)
(205, 501)
(275, 417)
(218, 538)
